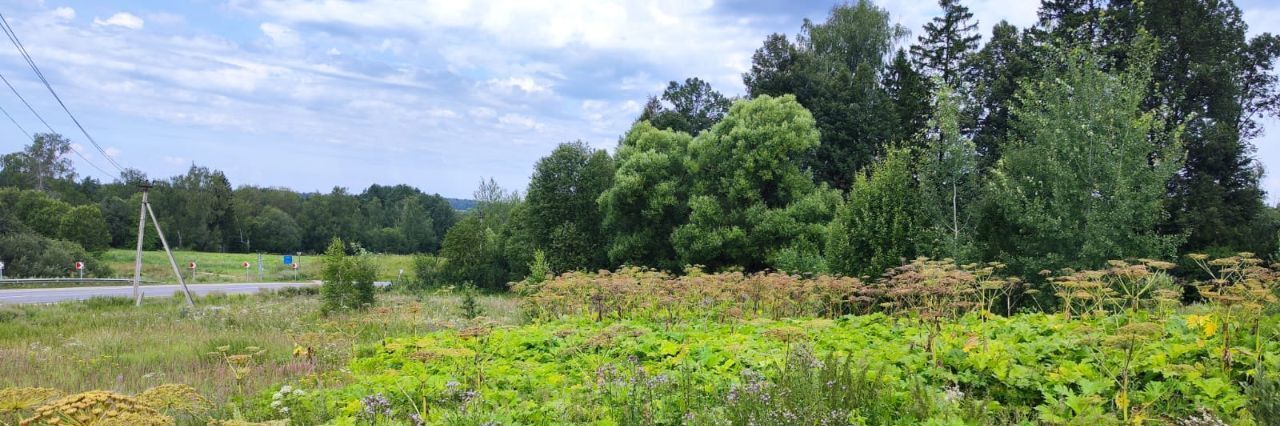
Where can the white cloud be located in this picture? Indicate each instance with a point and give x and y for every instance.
(520, 122)
(281, 36)
(64, 13)
(523, 84)
(120, 19)
(112, 151)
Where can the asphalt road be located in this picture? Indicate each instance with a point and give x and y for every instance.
(51, 295)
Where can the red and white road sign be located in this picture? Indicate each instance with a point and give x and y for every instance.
(245, 265)
(294, 266)
(191, 265)
(79, 266)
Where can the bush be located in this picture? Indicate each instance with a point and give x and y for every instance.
(348, 279)
(31, 255)
(429, 271)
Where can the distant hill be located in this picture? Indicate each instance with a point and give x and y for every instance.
(460, 204)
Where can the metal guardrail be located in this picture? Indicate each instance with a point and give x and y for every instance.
(64, 280)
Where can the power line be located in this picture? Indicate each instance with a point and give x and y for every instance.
(46, 125)
(13, 37)
(15, 122)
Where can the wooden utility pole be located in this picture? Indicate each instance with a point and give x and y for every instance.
(137, 262)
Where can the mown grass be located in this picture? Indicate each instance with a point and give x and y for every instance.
(228, 267)
(109, 344)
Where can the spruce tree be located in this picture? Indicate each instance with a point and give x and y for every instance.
(947, 43)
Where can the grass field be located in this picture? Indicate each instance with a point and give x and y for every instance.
(228, 267)
(109, 344)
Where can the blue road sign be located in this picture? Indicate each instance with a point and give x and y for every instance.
(288, 259)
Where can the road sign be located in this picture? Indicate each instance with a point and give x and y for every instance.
(288, 260)
(245, 265)
(79, 266)
(191, 265)
(295, 266)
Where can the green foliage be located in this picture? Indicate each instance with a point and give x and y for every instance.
(469, 309)
(833, 70)
(483, 246)
(878, 227)
(947, 43)
(750, 187)
(430, 271)
(949, 187)
(274, 231)
(694, 107)
(560, 215)
(84, 225)
(347, 279)
(649, 197)
(1087, 183)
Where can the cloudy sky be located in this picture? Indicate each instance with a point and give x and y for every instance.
(437, 94)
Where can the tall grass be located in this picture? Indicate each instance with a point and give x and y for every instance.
(108, 344)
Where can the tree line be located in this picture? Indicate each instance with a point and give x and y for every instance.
(1107, 130)
(57, 215)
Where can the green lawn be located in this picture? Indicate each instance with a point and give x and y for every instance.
(228, 267)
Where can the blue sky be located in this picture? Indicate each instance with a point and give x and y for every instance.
(437, 94)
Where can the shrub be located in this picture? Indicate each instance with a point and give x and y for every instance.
(429, 271)
(347, 279)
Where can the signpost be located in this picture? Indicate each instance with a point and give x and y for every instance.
(80, 268)
(259, 266)
(1, 270)
(192, 267)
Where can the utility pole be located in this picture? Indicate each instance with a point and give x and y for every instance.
(137, 262)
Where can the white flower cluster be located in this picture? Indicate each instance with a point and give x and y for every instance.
(279, 399)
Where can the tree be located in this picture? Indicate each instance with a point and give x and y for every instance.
(648, 198)
(998, 70)
(40, 163)
(879, 225)
(325, 216)
(84, 225)
(833, 71)
(948, 176)
(475, 249)
(416, 227)
(1216, 84)
(948, 41)
(909, 96)
(274, 231)
(694, 107)
(1086, 181)
(747, 172)
(347, 279)
(561, 216)
(121, 219)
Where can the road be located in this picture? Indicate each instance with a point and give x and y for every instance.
(51, 295)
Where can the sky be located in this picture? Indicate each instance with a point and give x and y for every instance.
(311, 95)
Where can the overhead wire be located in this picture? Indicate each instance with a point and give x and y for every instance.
(17, 43)
(46, 125)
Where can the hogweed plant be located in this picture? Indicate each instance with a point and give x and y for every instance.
(1239, 288)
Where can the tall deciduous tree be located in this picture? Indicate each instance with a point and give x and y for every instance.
(39, 164)
(948, 41)
(748, 173)
(948, 176)
(562, 216)
(833, 69)
(649, 197)
(691, 107)
(1086, 181)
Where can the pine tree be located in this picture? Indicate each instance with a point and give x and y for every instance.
(948, 41)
